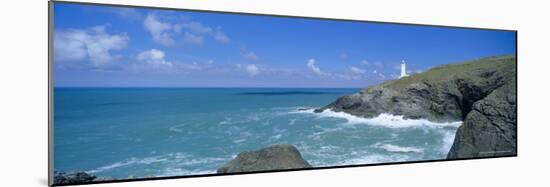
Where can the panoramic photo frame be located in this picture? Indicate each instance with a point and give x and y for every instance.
(140, 93)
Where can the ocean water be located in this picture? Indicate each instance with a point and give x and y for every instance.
(146, 132)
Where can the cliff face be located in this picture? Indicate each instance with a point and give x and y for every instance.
(490, 128)
(480, 93)
(275, 157)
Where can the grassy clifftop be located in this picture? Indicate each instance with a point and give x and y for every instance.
(473, 70)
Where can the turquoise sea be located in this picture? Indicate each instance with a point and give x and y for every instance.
(145, 132)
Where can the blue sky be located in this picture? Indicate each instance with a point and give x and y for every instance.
(99, 46)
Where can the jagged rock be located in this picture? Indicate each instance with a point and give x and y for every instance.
(276, 157)
(490, 128)
(72, 177)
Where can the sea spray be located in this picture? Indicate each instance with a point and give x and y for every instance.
(396, 139)
(384, 119)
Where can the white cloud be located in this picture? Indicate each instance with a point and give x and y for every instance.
(93, 44)
(365, 62)
(348, 77)
(159, 30)
(177, 27)
(220, 36)
(127, 13)
(379, 64)
(375, 72)
(190, 38)
(357, 70)
(343, 55)
(252, 69)
(192, 66)
(314, 68)
(249, 55)
(196, 27)
(191, 32)
(154, 58)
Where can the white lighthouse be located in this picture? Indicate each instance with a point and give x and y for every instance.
(403, 69)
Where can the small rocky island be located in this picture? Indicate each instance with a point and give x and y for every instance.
(481, 93)
(275, 157)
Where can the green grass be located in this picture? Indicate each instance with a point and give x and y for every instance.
(467, 70)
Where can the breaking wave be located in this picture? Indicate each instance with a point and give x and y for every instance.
(398, 149)
(384, 119)
(131, 161)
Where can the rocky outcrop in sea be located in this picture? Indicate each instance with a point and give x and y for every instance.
(275, 157)
(481, 93)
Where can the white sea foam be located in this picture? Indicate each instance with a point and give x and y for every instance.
(301, 110)
(383, 152)
(275, 137)
(226, 121)
(317, 135)
(386, 120)
(199, 161)
(398, 149)
(168, 172)
(447, 142)
(239, 140)
(174, 162)
(177, 128)
(374, 159)
(131, 161)
(330, 155)
(253, 117)
(292, 121)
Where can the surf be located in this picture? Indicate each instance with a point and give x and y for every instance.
(384, 119)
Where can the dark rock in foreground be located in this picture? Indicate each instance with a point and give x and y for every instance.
(481, 93)
(490, 128)
(72, 177)
(276, 157)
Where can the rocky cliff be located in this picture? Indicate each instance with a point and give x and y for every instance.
(490, 128)
(481, 93)
(276, 157)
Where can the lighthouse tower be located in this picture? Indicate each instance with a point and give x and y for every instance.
(403, 69)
